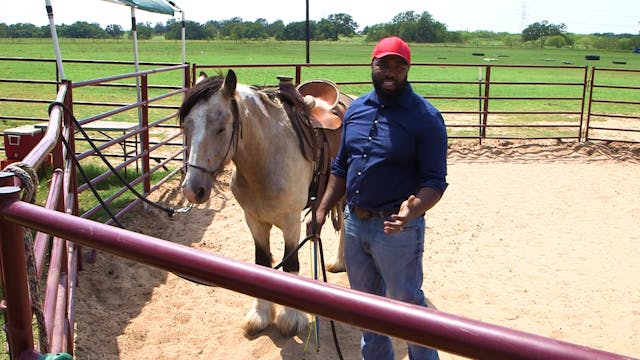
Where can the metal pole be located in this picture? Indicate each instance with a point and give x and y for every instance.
(308, 34)
(134, 34)
(480, 101)
(18, 314)
(182, 30)
(54, 37)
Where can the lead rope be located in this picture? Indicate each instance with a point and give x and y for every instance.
(29, 179)
(324, 276)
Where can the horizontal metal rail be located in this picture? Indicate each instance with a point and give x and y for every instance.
(451, 333)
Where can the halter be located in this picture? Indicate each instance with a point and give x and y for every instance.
(236, 134)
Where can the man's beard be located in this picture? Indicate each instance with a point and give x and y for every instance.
(386, 93)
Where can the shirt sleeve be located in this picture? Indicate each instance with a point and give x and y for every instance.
(433, 149)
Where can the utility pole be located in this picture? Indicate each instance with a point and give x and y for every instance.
(308, 33)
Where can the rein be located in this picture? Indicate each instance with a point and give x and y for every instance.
(236, 135)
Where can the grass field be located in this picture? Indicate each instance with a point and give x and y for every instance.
(431, 62)
(353, 50)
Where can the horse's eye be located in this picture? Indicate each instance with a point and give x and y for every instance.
(220, 131)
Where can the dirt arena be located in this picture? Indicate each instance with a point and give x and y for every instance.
(537, 237)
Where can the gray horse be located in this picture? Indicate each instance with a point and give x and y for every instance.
(224, 121)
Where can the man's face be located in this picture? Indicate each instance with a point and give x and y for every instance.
(389, 75)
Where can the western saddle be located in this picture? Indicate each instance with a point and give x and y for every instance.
(319, 130)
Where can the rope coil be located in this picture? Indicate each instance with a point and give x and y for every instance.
(29, 179)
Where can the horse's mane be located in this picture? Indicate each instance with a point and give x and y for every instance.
(269, 95)
(210, 85)
(204, 89)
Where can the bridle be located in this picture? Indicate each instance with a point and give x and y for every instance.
(236, 135)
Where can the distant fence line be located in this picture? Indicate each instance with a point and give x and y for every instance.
(487, 101)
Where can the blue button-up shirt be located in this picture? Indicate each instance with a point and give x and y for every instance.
(391, 149)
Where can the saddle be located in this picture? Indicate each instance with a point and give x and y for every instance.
(320, 129)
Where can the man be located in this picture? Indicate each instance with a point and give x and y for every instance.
(392, 167)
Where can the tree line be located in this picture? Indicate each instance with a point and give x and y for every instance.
(411, 26)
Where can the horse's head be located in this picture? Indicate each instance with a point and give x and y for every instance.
(209, 120)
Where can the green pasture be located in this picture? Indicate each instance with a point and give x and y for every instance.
(438, 63)
(355, 50)
(348, 51)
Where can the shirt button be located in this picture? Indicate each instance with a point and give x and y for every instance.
(365, 155)
(369, 138)
(359, 173)
(357, 191)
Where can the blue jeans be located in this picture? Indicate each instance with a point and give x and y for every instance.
(386, 265)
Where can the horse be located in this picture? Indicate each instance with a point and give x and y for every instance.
(224, 121)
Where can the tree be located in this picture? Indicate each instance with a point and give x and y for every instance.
(343, 24)
(376, 32)
(326, 31)
(143, 31)
(405, 17)
(24, 30)
(276, 29)
(429, 30)
(254, 30)
(114, 30)
(213, 28)
(229, 28)
(192, 30)
(4, 30)
(542, 30)
(83, 30)
(298, 30)
(161, 29)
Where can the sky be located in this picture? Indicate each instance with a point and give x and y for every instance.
(512, 16)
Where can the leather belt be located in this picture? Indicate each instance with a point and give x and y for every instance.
(368, 214)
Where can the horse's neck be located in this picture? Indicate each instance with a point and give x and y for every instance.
(266, 132)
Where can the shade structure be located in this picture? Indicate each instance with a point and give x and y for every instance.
(156, 6)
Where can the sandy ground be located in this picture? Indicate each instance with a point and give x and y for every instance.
(537, 237)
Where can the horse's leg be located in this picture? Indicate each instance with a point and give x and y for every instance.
(338, 264)
(291, 321)
(263, 312)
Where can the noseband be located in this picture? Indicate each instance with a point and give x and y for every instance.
(236, 134)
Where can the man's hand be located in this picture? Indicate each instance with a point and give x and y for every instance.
(398, 220)
(314, 225)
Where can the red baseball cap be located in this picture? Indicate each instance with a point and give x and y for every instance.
(392, 45)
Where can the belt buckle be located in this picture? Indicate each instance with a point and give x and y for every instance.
(362, 213)
(368, 214)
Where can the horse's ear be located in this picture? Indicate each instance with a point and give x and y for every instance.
(230, 82)
(202, 76)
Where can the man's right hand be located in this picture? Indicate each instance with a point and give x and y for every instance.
(314, 225)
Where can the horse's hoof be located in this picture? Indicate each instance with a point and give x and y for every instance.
(336, 268)
(259, 317)
(291, 322)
